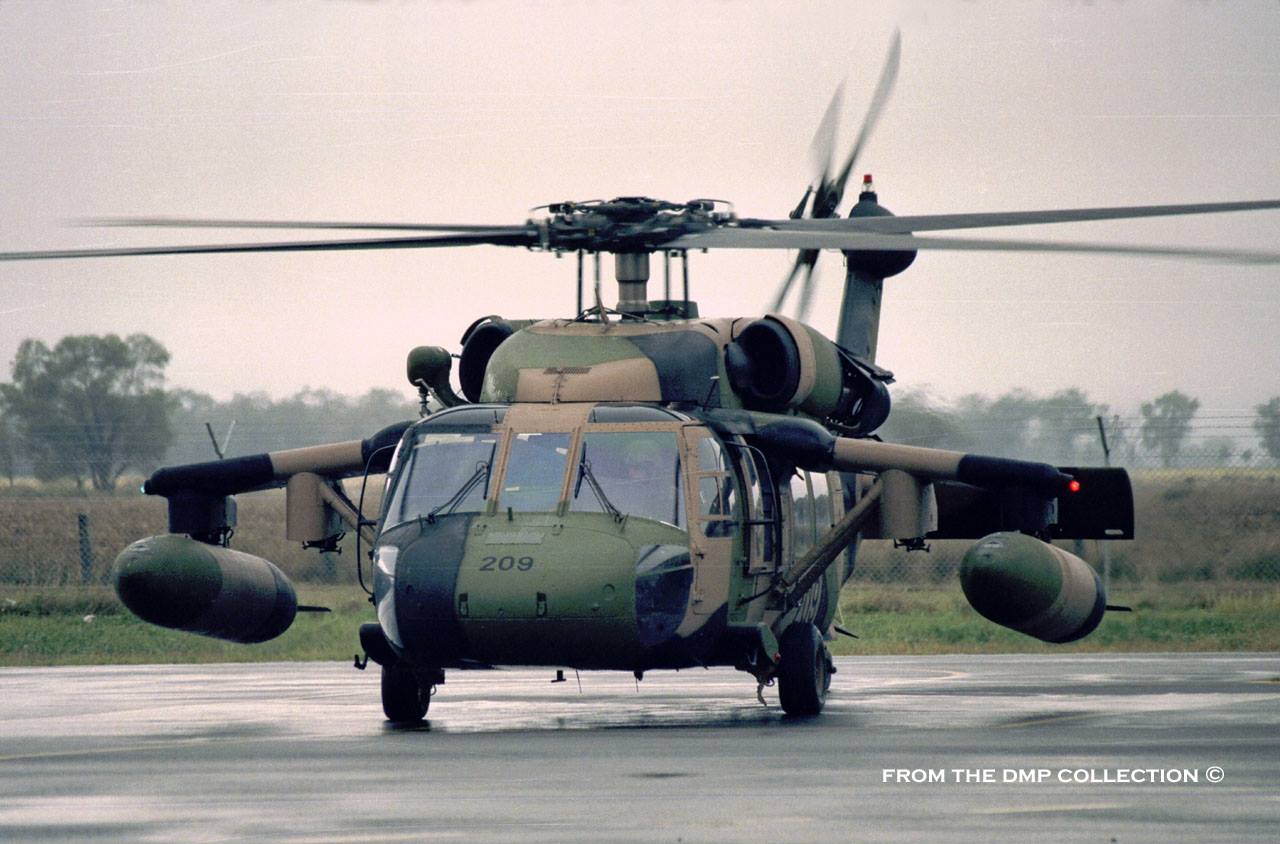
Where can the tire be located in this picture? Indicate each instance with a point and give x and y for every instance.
(404, 701)
(804, 671)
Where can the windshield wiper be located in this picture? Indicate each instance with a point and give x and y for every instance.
(584, 472)
(481, 473)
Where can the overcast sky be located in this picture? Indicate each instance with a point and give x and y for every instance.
(476, 111)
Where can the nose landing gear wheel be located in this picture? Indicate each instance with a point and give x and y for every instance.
(804, 671)
(404, 700)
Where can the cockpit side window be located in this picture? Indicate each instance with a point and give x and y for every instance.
(629, 473)
(535, 472)
(443, 473)
(717, 504)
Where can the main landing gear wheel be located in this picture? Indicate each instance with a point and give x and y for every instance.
(404, 700)
(804, 672)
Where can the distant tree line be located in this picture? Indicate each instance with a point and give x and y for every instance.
(88, 408)
(91, 408)
(1063, 428)
(254, 422)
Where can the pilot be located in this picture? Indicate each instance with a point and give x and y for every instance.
(643, 460)
(635, 474)
(646, 487)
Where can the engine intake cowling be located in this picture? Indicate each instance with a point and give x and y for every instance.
(775, 364)
(481, 339)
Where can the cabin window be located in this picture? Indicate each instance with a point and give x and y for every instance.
(804, 529)
(824, 516)
(535, 472)
(629, 473)
(443, 473)
(761, 496)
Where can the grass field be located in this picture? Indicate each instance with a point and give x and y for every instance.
(88, 626)
(897, 620)
(85, 626)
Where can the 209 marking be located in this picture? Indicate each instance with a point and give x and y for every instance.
(507, 563)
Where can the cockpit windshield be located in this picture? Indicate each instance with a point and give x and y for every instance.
(621, 473)
(629, 473)
(443, 473)
(535, 472)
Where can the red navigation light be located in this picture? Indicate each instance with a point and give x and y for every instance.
(1073, 485)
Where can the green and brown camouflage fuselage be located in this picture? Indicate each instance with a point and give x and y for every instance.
(573, 584)
(631, 495)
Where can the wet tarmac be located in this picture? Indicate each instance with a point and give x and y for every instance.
(1068, 748)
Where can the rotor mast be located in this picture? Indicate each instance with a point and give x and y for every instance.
(632, 272)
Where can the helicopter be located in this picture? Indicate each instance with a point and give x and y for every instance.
(639, 487)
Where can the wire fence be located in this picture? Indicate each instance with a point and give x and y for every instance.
(70, 540)
(1211, 516)
(1210, 525)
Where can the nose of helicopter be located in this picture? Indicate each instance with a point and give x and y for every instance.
(583, 591)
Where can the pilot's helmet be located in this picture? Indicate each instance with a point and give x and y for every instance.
(643, 458)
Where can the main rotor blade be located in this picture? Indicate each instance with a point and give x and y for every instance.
(866, 241)
(888, 75)
(943, 222)
(217, 223)
(509, 237)
(785, 287)
(807, 286)
(821, 148)
(805, 260)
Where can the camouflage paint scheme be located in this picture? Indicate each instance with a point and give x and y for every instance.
(221, 592)
(772, 481)
(575, 588)
(500, 586)
(670, 362)
(1033, 587)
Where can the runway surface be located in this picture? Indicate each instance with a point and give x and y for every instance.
(301, 753)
